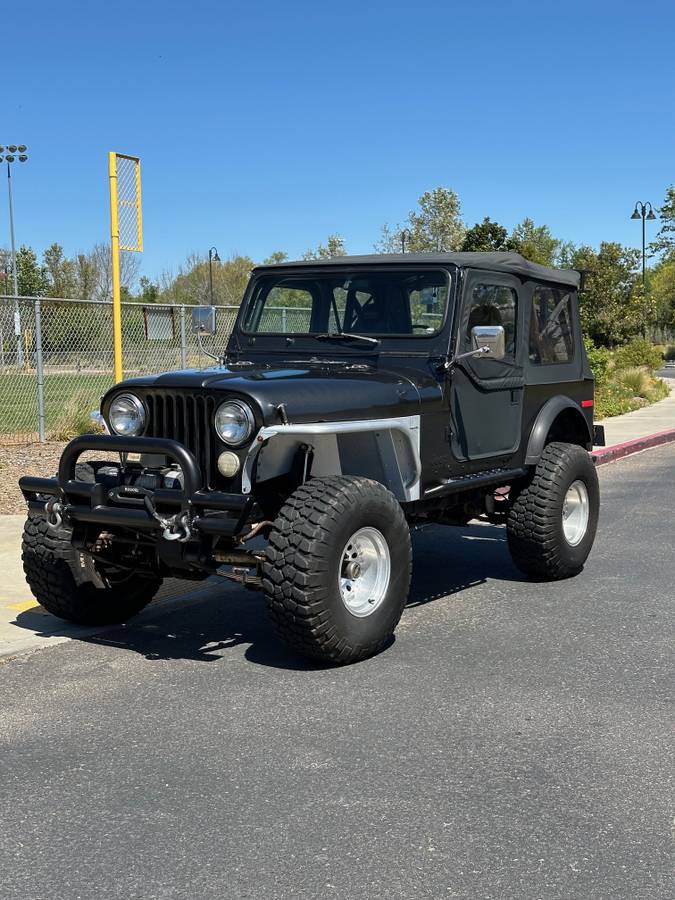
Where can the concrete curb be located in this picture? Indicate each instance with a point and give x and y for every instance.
(636, 445)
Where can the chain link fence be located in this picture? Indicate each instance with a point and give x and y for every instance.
(56, 357)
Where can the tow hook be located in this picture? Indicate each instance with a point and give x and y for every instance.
(177, 529)
(54, 510)
(174, 528)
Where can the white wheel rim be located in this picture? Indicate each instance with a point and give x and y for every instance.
(575, 513)
(365, 569)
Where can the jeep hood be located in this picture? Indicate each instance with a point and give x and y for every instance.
(311, 392)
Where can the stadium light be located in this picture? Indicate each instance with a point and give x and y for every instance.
(9, 158)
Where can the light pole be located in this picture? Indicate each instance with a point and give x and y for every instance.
(640, 212)
(213, 257)
(9, 155)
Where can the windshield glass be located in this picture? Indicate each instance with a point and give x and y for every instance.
(383, 304)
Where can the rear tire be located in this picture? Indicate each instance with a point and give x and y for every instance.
(70, 585)
(552, 521)
(337, 568)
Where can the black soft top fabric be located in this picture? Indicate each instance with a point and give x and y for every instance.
(513, 263)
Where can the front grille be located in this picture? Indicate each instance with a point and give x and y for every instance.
(187, 418)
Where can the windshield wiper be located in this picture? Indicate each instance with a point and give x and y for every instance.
(345, 336)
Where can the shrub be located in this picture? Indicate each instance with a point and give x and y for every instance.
(599, 361)
(75, 418)
(658, 390)
(614, 399)
(638, 352)
(669, 352)
(636, 379)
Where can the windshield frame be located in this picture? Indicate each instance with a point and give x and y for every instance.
(312, 339)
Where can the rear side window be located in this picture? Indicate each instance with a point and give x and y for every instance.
(551, 336)
(495, 304)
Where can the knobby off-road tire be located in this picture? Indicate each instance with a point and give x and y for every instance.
(553, 519)
(328, 531)
(71, 586)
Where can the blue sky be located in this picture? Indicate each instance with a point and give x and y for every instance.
(266, 126)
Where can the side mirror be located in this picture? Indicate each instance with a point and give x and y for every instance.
(491, 337)
(204, 320)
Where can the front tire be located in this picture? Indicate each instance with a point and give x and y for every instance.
(70, 585)
(337, 568)
(552, 521)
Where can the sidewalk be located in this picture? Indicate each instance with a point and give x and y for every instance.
(24, 625)
(642, 422)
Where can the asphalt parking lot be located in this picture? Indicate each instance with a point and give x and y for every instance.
(514, 742)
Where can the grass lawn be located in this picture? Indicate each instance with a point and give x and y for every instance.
(18, 399)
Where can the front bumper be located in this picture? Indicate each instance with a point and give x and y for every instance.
(124, 505)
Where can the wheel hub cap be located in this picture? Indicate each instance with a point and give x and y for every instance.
(575, 513)
(365, 569)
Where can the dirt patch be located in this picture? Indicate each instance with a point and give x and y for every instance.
(25, 459)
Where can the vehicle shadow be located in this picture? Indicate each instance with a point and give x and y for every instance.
(204, 622)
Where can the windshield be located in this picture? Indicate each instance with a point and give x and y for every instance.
(383, 304)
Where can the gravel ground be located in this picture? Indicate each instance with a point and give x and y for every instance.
(20, 459)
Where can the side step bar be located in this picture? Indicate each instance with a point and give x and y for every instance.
(479, 480)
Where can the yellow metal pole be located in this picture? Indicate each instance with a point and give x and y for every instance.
(115, 257)
(139, 208)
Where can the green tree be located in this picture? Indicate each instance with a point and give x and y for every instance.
(149, 290)
(486, 236)
(535, 242)
(664, 245)
(566, 255)
(436, 225)
(86, 277)
(278, 256)
(334, 246)
(191, 284)
(662, 290)
(31, 276)
(614, 307)
(61, 272)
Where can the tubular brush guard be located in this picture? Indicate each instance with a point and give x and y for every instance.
(177, 513)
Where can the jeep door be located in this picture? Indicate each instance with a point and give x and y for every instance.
(486, 394)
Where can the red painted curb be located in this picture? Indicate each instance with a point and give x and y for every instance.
(617, 451)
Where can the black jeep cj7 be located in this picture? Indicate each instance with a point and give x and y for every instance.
(358, 397)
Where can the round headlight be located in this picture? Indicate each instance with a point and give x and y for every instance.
(127, 415)
(234, 422)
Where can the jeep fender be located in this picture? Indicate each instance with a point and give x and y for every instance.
(545, 419)
(386, 450)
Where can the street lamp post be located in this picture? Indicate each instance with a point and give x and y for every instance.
(213, 257)
(641, 212)
(11, 154)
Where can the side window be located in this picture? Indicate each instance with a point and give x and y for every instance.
(551, 336)
(494, 304)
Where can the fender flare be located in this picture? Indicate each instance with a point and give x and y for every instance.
(400, 460)
(542, 425)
